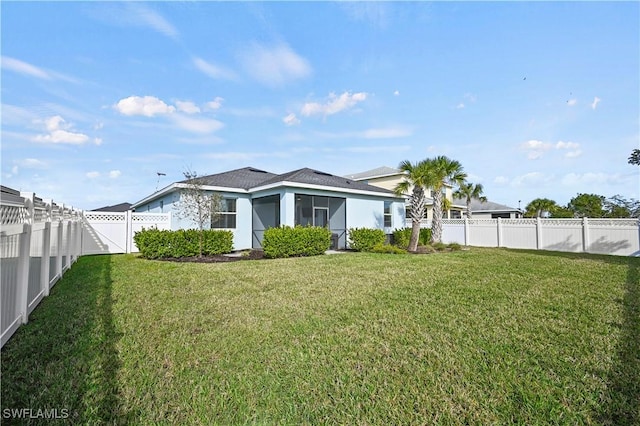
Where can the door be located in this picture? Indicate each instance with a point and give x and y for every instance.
(321, 217)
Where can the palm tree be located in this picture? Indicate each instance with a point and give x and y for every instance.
(443, 170)
(468, 191)
(540, 206)
(419, 176)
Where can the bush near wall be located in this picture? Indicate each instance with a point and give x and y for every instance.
(402, 236)
(364, 239)
(158, 244)
(286, 241)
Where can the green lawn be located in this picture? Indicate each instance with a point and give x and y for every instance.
(484, 336)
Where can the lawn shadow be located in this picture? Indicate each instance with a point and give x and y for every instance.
(621, 404)
(66, 357)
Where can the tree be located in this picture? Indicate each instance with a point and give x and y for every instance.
(417, 176)
(468, 191)
(619, 207)
(443, 170)
(197, 205)
(562, 212)
(540, 207)
(634, 158)
(587, 205)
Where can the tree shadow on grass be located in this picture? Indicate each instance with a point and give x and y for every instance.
(65, 359)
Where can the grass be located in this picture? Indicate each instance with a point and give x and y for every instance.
(485, 336)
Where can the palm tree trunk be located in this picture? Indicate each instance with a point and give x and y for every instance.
(436, 225)
(417, 212)
(468, 208)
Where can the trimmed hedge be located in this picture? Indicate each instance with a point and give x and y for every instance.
(401, 237)
(364, 239)
(286, 241)
(159, 244)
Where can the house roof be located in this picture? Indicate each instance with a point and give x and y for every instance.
(245, 178)
(250, 179)
(315, 177)
(373, 173)
(122, 207)
(489, 206)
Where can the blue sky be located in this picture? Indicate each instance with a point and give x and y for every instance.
(537, 99)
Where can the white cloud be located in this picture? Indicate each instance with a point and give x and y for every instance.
(334, 104)
(113, 174)
(216, 103)
(187, 107)
(567, 145)
(21, 67)
(197, 125)
(573, 154)
(143, 16)
(214, 71)
(535, 148)
(146, 105)
(274, 66)
(460, 106)
(97, 141)
(572, 102)
(501, 180)
(590, 178)
(92, 175)
(57, 133)
(595, 102)
(533, 178)
(31, 163)
(291, 120)
(396, 93)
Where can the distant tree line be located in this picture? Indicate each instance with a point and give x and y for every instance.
(585, 205)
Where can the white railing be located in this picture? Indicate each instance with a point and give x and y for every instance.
(602, 236)
(39, 241)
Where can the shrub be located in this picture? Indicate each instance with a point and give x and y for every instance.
(158, 244)
(440, 246)
(364, 239)
(455, 246)
(286, 241)
(387, 248)
(402, 236)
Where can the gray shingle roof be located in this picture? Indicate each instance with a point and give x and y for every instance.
(477, 206)
(315, 177)
(245, 178)
(378, 171)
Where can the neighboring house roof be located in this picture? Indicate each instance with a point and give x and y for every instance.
(245, 178)
(122, 207)
(250, 179)
(374, 173)
(489, 206)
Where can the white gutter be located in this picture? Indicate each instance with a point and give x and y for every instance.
(323, 188)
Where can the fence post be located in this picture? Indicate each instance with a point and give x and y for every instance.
(129, 231)
(24, 258)
(466, 231)
(67, 247)
(46, 249)
(538, 233)
(499, 232)
(585, 235)
(59, 244)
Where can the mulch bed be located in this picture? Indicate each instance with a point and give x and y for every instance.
(218, 258)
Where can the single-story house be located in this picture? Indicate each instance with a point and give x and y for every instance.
(491, 210)
(254, 200)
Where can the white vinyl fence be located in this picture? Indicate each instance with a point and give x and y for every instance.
(112, 232)
(40, 241)
(603, 236)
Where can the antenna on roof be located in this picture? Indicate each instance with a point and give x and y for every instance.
(158, 182)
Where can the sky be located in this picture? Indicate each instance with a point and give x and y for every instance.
(105, 102)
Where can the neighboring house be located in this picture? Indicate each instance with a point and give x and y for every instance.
(388, 178)
(255, 200)
(490, 210)
(122, 207)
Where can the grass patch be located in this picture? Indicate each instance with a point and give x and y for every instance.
(468, 337)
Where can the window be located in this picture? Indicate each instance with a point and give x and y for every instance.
(387, 214)
(226, 217)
